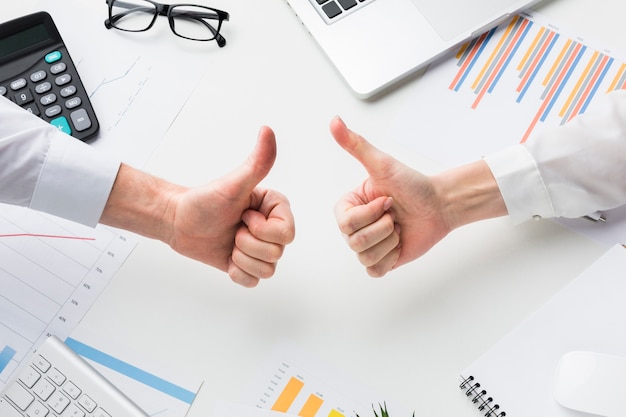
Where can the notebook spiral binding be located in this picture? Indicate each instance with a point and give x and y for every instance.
(480, 398)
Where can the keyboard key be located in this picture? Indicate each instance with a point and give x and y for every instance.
(87, 403)
(73, 411)
(7, 410)
(43, 389)
(29, 377)
(56, 376)
(58, 402)
(331, 9)
(101, 413)
(37, 409)
(41, 363)
(71, 389)
(347, 4)
(20, 397)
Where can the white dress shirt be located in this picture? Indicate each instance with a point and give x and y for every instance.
(47, 170)
(569, 171)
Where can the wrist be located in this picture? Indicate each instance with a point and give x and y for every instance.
(467, 194)
(142, 203)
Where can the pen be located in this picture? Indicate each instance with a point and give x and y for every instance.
(595, 217)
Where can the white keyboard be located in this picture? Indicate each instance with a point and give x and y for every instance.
(56, 382)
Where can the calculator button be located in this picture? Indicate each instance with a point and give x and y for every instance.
(73, 103)
(3, 90)
(32, 108)
(58, 68)
(48, 99)
(53, 110)
(53, 57)
(17, 84)
(68, 91)
(61, 124)
(38, 76)
(24, 97)
(80, 119)
(63, 79)
(43, 88)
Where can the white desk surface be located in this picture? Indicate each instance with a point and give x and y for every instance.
(407, 335)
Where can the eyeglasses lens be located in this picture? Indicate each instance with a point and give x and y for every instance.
(194, 22)
(132, 15)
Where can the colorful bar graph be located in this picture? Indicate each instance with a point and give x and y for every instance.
(288, 395)
(568, 72)
(6, 355)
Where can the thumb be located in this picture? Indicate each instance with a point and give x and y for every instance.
(259, 162)
(364, 152)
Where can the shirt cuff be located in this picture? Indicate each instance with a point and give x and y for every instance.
(75, 181)
(521, 185)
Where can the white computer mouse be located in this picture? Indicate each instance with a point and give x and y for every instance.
(591, 382)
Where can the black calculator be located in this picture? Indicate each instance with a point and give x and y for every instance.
(37, 73)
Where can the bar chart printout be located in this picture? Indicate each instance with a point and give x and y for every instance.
(294, 393)
(294, 382)
(504, 87)
(51, 272)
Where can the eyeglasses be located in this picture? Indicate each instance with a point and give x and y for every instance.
(189, 21)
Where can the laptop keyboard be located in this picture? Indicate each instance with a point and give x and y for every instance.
(57, 382)
(332, 10)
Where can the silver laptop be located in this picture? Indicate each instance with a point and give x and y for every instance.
(375, 43)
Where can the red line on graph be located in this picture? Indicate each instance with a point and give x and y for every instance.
(47, 236)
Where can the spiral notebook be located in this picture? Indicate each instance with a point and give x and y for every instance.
(515, 377)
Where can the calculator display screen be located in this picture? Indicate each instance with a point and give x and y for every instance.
(18, 41)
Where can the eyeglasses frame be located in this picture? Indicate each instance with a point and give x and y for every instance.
(162, 9)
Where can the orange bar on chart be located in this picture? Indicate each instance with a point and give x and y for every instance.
(311, 406)
(288, 395)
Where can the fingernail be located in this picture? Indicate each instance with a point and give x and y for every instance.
(388, 203)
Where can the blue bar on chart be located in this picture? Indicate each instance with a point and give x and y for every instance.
(130, 371)
(6, 355)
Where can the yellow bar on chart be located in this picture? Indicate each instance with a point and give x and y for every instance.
(335, 413)
(311, 406)
(288, 395)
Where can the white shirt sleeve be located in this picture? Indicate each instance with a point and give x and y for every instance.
(569, 171)
(47, 170)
